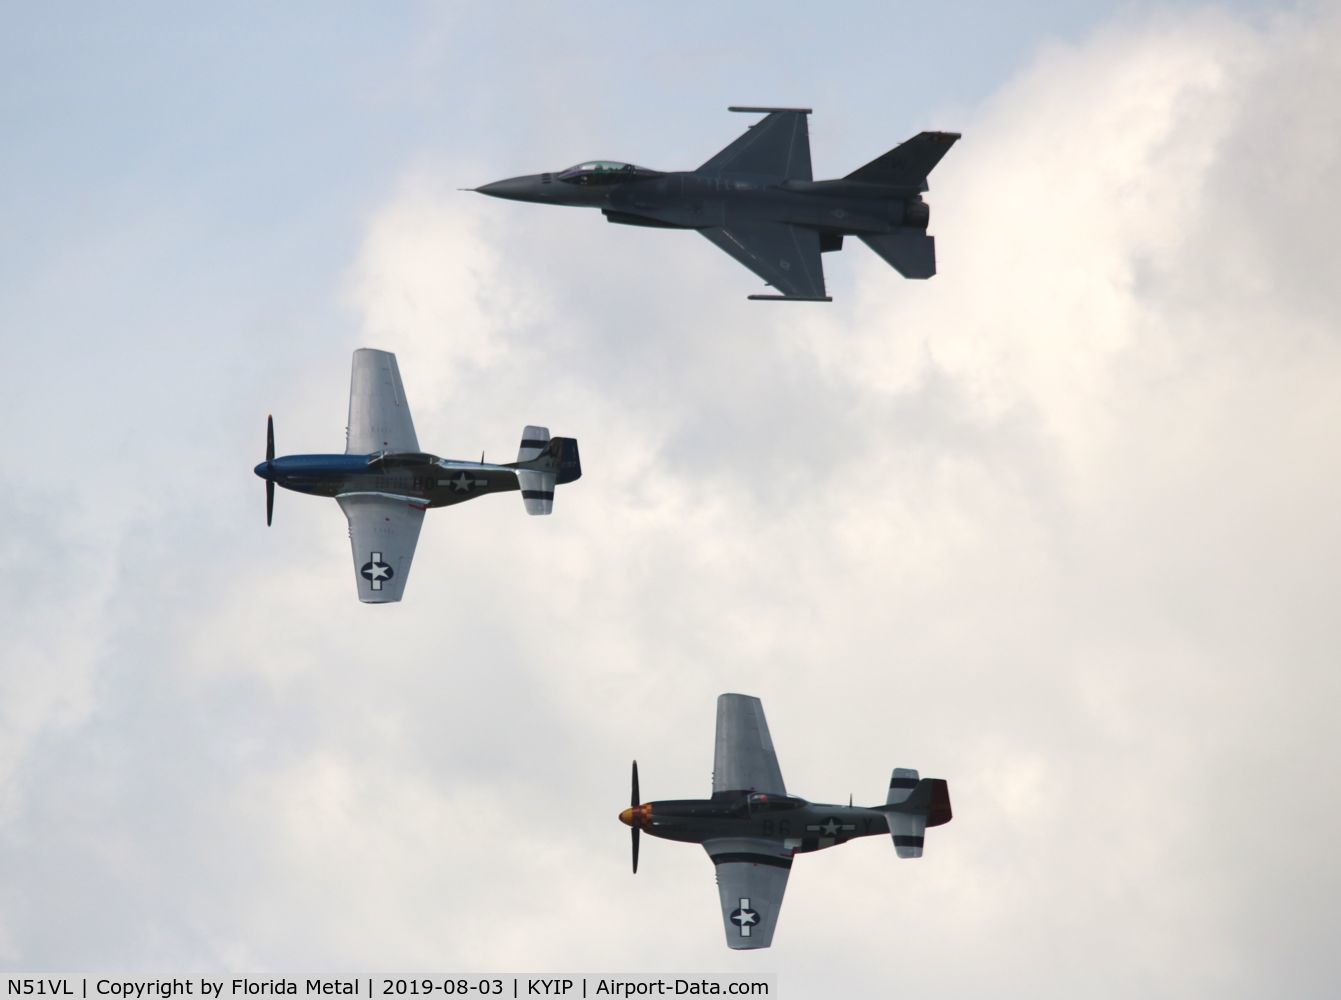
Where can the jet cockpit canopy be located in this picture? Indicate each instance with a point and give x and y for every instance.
(601, 172)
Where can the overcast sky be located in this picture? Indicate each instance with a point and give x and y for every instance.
(1058, 525)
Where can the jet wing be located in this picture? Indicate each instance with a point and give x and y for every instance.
(744, 759)
(383, 530)
(379, 416)
(777, 145)
(751, 878)
(785, 256)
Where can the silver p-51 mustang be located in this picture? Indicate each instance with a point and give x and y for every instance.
(384, 483)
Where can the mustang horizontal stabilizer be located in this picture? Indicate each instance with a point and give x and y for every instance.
(776, 146)
(916, 804)
(907, 165)
(537, 477)
(543, 463)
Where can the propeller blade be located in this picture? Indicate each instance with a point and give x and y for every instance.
(634, 801)
(269, 457)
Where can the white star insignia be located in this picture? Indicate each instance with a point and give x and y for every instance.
(380, 571)
(830, 828)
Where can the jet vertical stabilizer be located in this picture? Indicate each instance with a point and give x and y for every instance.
(907, 165)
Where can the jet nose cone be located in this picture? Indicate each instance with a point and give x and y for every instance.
(527, 188)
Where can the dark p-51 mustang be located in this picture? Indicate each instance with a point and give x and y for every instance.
(758, 201)
(752, 829)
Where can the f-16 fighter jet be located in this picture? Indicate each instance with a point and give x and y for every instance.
(752, 829)
(757, 200)
(384, 483)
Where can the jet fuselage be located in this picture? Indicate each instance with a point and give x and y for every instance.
(690, 200)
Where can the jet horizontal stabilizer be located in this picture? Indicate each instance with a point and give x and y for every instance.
(912, 254)
(791, 298)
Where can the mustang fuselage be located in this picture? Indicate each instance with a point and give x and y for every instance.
(436, 482)
(799, 826)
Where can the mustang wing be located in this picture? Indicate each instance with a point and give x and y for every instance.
(777, 145)
(379, 416)
(383, 530)
(785, 256)
(751, 878)
(744, 759)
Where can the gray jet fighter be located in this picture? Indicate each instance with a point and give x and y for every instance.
(757, 200)
(752, 829)
(384, 483)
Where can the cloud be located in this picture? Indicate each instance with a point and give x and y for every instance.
(1057, 525)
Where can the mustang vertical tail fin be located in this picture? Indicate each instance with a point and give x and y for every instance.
(570, 463)
(911, 806)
